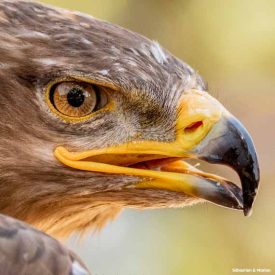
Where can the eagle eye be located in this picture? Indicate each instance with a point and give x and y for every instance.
(77, 99)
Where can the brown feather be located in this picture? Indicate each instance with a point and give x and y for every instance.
(40, 44)
(25, 250)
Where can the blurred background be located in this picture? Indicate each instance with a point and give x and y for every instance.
(232, 45)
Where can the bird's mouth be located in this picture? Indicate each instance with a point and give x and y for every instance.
(210, 134)
(160, 172)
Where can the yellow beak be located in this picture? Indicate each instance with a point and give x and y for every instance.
(198, 116)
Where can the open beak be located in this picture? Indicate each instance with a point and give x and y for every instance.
(204, 130)
(229, 143)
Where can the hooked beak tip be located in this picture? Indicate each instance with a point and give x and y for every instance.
(229, 143)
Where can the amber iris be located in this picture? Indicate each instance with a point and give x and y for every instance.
(74, 99)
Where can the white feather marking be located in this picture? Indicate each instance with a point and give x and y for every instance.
(134, 51)
(132, 63)
(86, 41)
(77, 269)
(33, 34)
(158, 53)
(104, 72)
(84, 24)
(145, 50)
(191, 82)
(5, 66)
(115, 50)
(121, 70)
(47, 61)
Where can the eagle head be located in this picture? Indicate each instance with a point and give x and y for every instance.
(95, 118)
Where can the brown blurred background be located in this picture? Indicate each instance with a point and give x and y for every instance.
(232, 45)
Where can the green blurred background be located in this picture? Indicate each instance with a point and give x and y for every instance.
(232, 45)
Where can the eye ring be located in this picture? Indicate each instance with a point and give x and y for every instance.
(76, 101)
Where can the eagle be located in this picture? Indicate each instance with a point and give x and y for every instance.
(95, 118)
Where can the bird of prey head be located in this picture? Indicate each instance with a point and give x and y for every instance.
(95, 118)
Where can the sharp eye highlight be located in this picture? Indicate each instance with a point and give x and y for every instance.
(76, 99)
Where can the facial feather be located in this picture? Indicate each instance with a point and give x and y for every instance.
(40, 44)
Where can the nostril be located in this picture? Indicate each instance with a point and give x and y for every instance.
(193, 127)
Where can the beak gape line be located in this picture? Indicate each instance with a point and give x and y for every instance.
(217, 137)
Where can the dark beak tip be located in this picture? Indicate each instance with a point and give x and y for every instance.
(247, 211)
(249, 199)
(230, 144)
(250, 182)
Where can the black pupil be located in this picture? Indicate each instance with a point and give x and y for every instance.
(75, 97)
